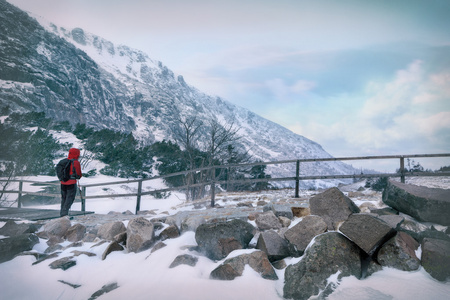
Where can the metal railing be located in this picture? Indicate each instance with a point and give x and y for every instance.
(212, 182)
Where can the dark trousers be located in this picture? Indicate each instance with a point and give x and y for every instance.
(68, 193)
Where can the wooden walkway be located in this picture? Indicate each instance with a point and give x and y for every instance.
(34, 214)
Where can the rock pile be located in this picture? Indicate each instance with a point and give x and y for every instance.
(335, 238)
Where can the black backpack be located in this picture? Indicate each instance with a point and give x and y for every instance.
(63, 170)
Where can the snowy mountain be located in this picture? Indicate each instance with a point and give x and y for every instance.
(73, 75)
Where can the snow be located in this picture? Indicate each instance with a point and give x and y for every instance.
(147, 275)
(392, 284)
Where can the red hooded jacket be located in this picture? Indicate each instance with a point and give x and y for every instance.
(74, 153)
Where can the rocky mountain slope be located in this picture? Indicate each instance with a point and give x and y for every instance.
(72, 75)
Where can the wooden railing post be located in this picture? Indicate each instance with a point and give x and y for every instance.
(19, 198)
(83, 199)
(138, 201)
(297, 179)
(213, 186)
(402, 169)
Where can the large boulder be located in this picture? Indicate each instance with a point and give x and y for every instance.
(217, 240)
(419, 230)
(367, 231)
(300, 235)
(267, 220)
(56, 228)
(423, 203)
(109, 230)
(399, 253)
(140, 234)
(75, 233)
(330, 253)
(333, 206)
(436, 258)
(234, 267)
(10, 247)
(11, 228)
(273, 245)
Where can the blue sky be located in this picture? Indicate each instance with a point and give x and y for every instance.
(358, 77)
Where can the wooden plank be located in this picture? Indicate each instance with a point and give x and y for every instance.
(33, 214)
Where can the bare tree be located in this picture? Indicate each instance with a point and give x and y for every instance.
(188, 137)
(205, 144)
(9, 173)
(87, 158)
(220, 137)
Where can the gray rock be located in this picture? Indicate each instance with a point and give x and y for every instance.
(109, 230)
(393, 220)
(113, 246)
(282, 211)
(89, 238)
(300, 235)
(63, 263)
(184, 259)
(53, 248)
(192, 223)
(333, 206)
(74, 244)
(273, 245)
(158, 246)
(372, 267)
(53, 240)
(279, 264)
(11, 228)
(121, 238)
(436, 258)
(420, 231)
(423, 203)
(45, 257)
(234, 267)
(285, 222)
(384, 211)
(140, 235)
(57, 227)
(75, 286)
(330, 253)
(10, 247)
(217, 240)
(78, 253)
(367, 231)
(399, 253)
(170, 232)
(75, 233)
(105, 289)
(267, 220)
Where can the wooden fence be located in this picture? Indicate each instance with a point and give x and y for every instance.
(212, 182)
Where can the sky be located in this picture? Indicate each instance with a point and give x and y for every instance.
(358, 77)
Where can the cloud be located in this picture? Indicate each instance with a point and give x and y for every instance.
(410, 113)
(284, 92)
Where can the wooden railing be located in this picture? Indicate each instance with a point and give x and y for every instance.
(212, 182)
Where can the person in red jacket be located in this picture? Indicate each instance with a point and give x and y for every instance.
(69, 188)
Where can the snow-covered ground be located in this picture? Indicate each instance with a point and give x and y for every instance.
(147, 275)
